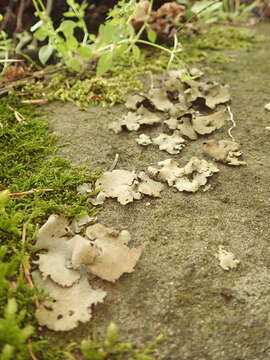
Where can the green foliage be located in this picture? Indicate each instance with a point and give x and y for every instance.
(112, 349)
(12, 335)
(115, 38)
(5, 48)
(15, 301)
(210, 11)
(63, 40)
(8, 221)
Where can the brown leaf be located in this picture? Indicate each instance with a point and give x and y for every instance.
(115, 258)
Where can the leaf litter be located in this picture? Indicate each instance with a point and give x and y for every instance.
(225, 151)
(173, 144)
(188, 178)
(102, 252)
(126, 186)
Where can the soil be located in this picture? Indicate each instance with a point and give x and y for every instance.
(178, 287)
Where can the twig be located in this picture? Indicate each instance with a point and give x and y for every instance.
(115, 161)
(28, 278)
(26, 268)
(19, 117)
(20, 16)
(16, 194)
(35, 101)
(49, 7)
(30, 349)
(233, 122)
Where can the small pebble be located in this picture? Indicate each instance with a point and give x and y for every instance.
(267, 107)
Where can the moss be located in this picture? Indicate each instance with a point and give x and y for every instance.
(86, 88)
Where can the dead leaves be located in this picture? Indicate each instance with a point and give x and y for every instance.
(188, 178)
(125, 186)
(225, 151)
(173, 144)
(207, 124)
(63, 269)
(115, 257)
(71, 305)
(132, 121)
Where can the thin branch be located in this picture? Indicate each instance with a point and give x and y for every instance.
(233, 122)
(26, 268)
(30, 192)
(30, 350)
(49, 7)
(19, 23)
(35, 101)
(115, 161)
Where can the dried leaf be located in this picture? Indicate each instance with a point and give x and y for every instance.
(226, 259)
(84, 252)
(144, 140)
(195, 175)
(172, 123)
(209, 123)
(54, 236)
(215, 94)
(189, 178)
(212, 93)
(148, 117)
(148, 186)
(132, 121)
(186, 129)
(120, 184)
(173, 144)
(54, 265)
(225, 151)
(70, 306)
(168, 171)
(53, 232)
(159, 99)
(179, 110)
(116, 258)
(133, 101)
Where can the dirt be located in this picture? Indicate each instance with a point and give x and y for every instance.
(178, 288)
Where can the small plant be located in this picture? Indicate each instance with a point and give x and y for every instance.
(210, 11)
(8, 220)
(62, 40)
(116, 37)
(112, 349)
(5, 49)
(13, 335)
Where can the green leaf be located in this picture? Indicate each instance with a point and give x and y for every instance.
(151, 35)
(45, 53)
(74, 64)
(67, 27)
(104, 63)
(71, 43)
(136, 52)
(85, 52)
(41, 34)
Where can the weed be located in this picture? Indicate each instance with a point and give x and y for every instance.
(115, 38)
